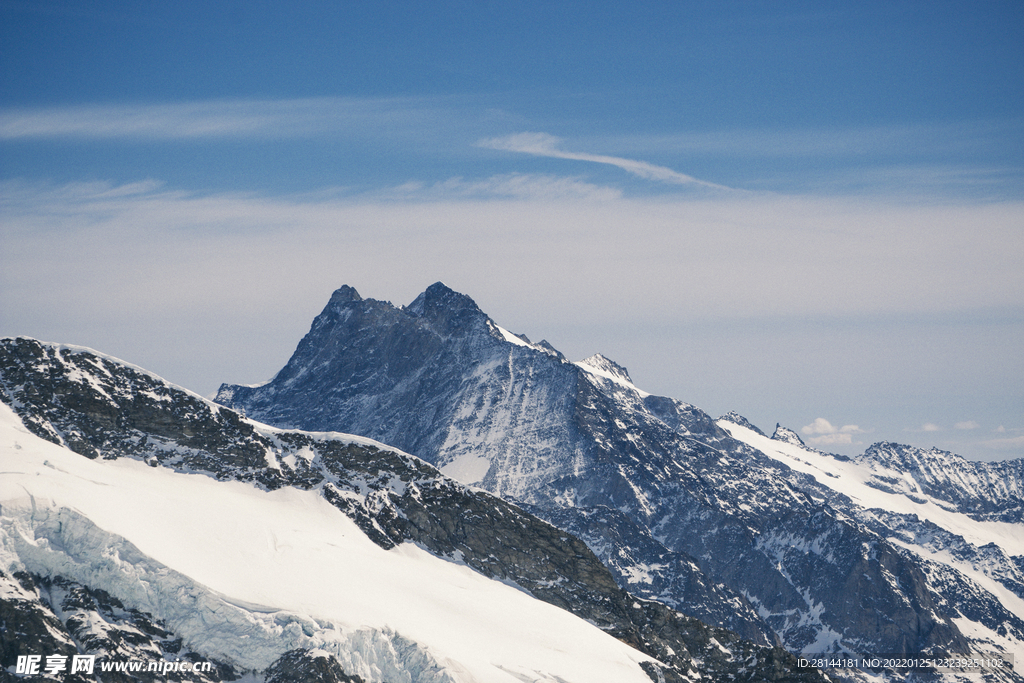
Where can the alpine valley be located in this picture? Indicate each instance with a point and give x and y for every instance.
(421, 495)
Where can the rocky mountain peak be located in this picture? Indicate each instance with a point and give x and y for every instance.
(990, 491)
(607, 366)
(900, 456)
(787, 435)
(439, 297)
(344, 295)
(736, 418)
(679, 510)
(448, 311)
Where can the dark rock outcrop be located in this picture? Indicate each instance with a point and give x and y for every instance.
(304, 666)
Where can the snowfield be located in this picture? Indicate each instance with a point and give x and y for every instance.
(852, 478)
(244, 575)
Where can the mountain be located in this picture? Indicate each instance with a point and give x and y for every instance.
(958, 520)
(712, 518)
(441, 380)
(141, 523)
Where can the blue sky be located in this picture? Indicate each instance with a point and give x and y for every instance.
(799, 211)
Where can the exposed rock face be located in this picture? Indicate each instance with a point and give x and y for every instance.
(303, 666)
(986, 491)
(736, 418)
(439, 379)
(964, 556)
(782, 434)
(675, 507)
(646, 567)
(105, 409)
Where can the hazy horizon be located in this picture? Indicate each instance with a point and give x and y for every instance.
(808, 214)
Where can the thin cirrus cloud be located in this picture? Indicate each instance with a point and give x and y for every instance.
(821, 432)
(545, 145)
(956, 138)
(221, 118)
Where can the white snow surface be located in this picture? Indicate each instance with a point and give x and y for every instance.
(467, 468)
(244, 575)
(598, 366)
(512, 338)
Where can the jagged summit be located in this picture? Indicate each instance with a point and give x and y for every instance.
(787, 435)
(437, 296)
(990, 491)
(343, 295)
(736, 418)
(360, 350)
(435, 300)
(450, 311)
(605, 365)
(681, 509)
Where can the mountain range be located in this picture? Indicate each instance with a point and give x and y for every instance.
(142, 523)
(422, 495)
(900, 550)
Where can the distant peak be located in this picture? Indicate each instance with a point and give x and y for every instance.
(448, 312)
(737, 419)
(345, 294)
(787, 435)
(545, 346)
(440, 297)
(606, 366)
(603, 367)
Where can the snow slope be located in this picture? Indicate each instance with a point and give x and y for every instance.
(951, 543)
(246, 575)
(851, 478)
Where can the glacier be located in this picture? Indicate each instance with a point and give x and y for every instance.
(240, 573)
(147, 522)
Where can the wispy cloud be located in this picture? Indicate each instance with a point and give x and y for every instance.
(876, 160)
(545, 145)
(220, 118)
(963, 158)
(513, 185)
(821, 432)
(895, 139)
(968, 424)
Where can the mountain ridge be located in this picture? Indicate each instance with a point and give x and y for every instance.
(581, 447)
(109, 412)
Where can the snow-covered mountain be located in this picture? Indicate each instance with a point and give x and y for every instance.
(710, 517)
(142, 523)
(960, 521)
